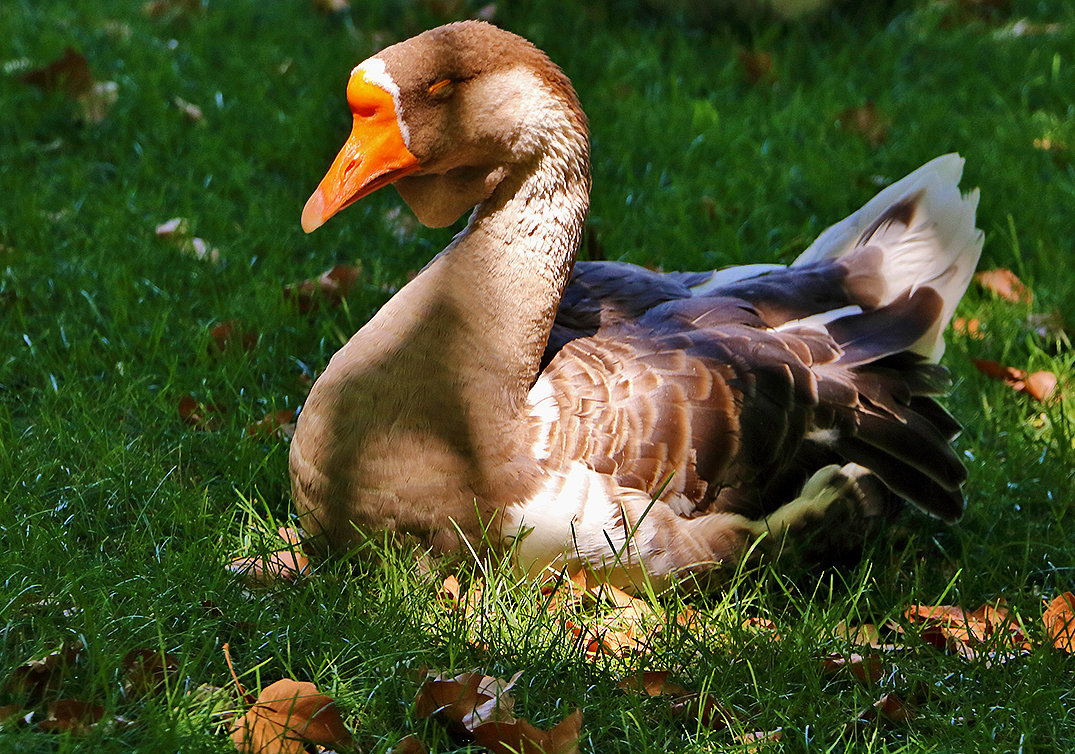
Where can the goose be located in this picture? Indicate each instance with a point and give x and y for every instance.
(646, 425)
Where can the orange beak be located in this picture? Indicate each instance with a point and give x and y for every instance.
(373, 156)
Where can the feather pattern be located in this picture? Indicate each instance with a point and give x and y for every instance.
(643, 423)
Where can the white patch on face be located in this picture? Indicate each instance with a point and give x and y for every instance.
(375, 72)
(546, 410)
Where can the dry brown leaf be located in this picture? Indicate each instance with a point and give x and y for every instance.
(230, 335)
(71, 75)
(1004, 283)
(970, 328)
(281, 423)
(1059, 619)
(865, 121)
(757, 66)
(521, 737)
(1039, 385)
(989, 631)
(465, 701)
(707, 709)
(866, 669)
(652, 683)
(763, 627)
(149, 671)
(71, 716)
(271, 569)
(40, 678)
(11, 716)
(331, 287)
(286, 717)
(203, 416)
(409, 744)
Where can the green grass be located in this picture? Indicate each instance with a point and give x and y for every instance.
(116, 518)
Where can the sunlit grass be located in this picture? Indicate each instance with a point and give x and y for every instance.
(117, 518)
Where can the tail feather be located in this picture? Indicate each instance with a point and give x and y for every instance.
(924, 229)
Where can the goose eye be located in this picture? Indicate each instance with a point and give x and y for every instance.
(442, 89)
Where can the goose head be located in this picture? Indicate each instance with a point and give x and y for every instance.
(448, 117)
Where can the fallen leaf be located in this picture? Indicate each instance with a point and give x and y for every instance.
(71, 75)
(1059, 619)
(763, 627)
(409, 744)
(1039, 385)
(40, 678)
(331, 287)
(229, 335)
(71, 716)
(652, 683)
(757, 66)
(707, 709)
(286, 717)
(521, 737)
(866, 669)
(989, 631)
(466, 700)
(270, 569)
(971, 328)
(149, 671)
(280, 423)
(865, 121)
(203, 416)
(11, 716)
(1004, 283)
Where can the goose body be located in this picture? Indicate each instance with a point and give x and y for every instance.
(600, 413)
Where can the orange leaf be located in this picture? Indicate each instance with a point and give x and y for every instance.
(229, 334)
(71, 716)
(866, 669)
(1004, 283)
(280, 423)
(971, 328)
(521, 737)
(409, 744)
(203, 416)
(149, 671)
(270, 569)
(757, 66)
(1059, 619)
(332, 287)
(69, 74)
(39, 678)
(1038, 385)
(287, 715)
(652, 683)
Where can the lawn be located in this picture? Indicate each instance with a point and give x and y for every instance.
(133, 364)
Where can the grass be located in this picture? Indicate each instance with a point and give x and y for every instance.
(116, 517)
